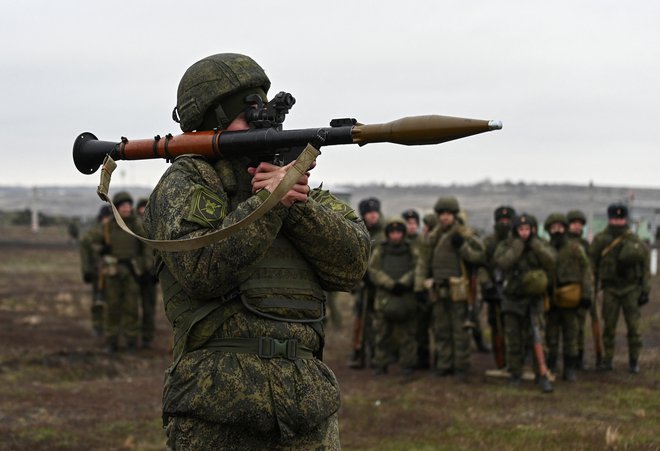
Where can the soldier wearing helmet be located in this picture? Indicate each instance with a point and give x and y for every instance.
(247, 311)
(490, 277)
(620, 261)
(392, 270)
(450, 248)
(576, 222)
(525, 262)
(123, 260)
(570, 288)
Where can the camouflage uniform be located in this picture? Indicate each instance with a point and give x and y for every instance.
(621, 264)
(148, 283)
(392, 270)
(448, 249)
(521, 303)
(90, 265)
(490, 276)
(571, 216)
(364, 293)
(123, 263)
(572, 268)
(261, 288)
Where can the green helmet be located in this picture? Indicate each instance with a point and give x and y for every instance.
(553, 218)
(576, 215)
(217, 84)
(395, 223)
(534, 282)
(430, 220)
(446, 204)
(121, 197)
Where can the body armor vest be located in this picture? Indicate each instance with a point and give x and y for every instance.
(397, 260)
(446, 261)
(123, 245)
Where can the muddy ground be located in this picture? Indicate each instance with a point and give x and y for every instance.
(58, 391)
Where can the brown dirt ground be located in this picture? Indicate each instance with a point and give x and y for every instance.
(59, 391)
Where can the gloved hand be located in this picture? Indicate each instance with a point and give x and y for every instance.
(88, 277)
(457, 240)
(643, 299)
(398, 289)
(106, 249)
(585, 303)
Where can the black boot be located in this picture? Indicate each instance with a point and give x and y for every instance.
(633, 365)
(569, 368)
(544, 383)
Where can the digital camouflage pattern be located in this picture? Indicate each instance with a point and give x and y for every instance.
(240, 396)
(90, 262)
(620, 261)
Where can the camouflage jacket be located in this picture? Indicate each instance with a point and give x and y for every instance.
(193, 198)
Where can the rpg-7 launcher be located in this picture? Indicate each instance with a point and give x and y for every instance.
(266, 141)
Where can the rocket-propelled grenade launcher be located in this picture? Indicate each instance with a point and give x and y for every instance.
(266, 141)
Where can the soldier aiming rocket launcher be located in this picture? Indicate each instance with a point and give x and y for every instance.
(266, 141)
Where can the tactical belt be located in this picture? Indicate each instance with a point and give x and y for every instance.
(264, 347)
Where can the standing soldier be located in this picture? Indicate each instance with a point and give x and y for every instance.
(411, 218)
(148, 283)
(123, 258)
(392, 271)
(571, 288)
(451, 246)
(90, 259)
(576, 223)
(621, 264)
(247, 310)
(364, 294)
(491, 276)
(525, 262)
(430, 220)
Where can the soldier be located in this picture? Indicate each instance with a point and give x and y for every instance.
(570, 289)
(90, 259)
(392, 271)
(430, 220)
(411, 218)
(524, 260)
(247, 310)
(621, 264)
(123, 263)
(148, 283)
(451, 246)
(490, 277)
(576, 223)
(363, 339)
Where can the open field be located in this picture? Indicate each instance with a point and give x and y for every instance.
(58, 391)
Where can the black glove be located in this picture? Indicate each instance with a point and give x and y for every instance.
(106, 249)
(457, 240)
(88, 277)
(643, 299)
(398, 289)
(585, 303)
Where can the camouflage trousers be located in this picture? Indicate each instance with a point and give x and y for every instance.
(392, 338)
(614, 302)
(518, 338)
(122, 297)
(452, 339)
(192, 434)
(562, 322)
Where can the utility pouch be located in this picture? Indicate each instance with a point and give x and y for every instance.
(568, 296)
(458, 288)
(109, 266)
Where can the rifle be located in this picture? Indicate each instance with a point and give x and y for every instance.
(266, 141)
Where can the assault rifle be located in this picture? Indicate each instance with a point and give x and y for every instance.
(266, 141)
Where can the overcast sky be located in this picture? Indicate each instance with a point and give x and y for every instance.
(575, 83)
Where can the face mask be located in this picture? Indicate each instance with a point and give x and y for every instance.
(502, 230)
(557, 239)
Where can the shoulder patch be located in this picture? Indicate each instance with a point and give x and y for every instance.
(330, 201)
(207, 208)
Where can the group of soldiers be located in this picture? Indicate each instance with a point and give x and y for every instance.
(419, 303)
(120, 270)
